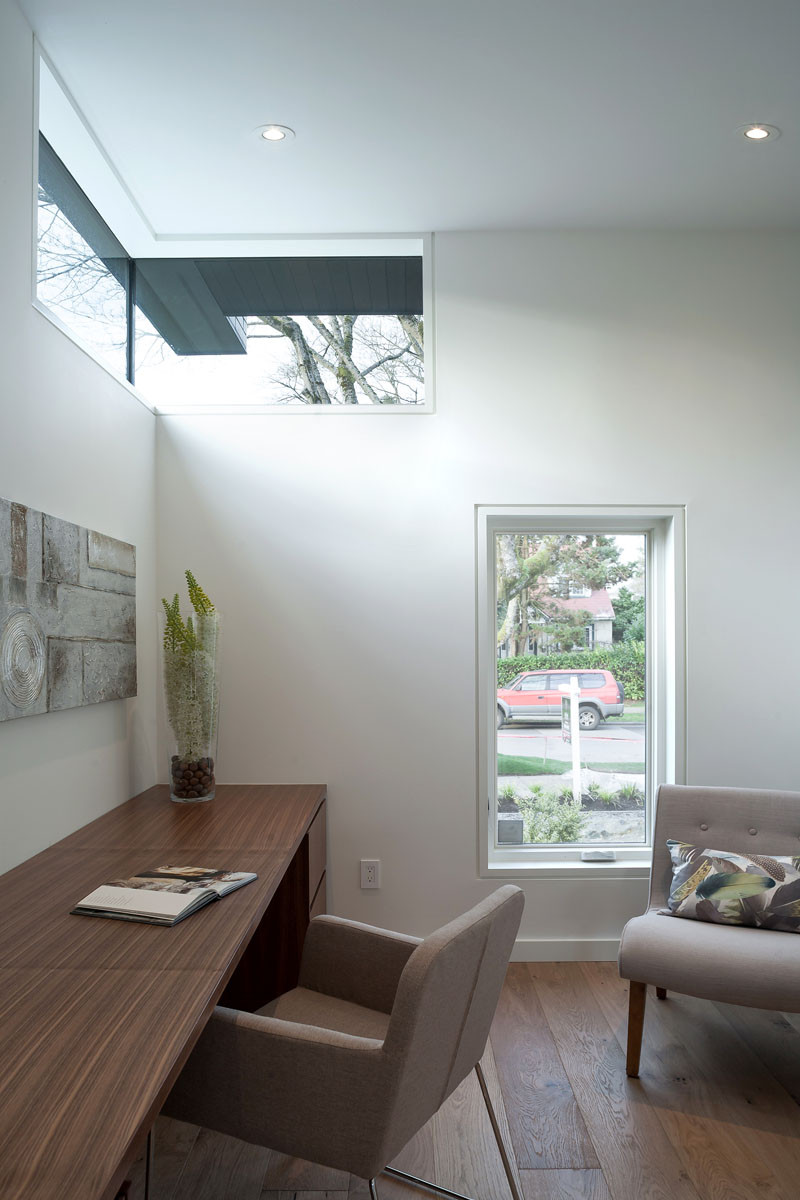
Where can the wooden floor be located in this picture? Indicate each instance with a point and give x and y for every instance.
(714, 1115)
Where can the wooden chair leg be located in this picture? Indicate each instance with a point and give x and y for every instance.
(636, 1003)
(661, 993)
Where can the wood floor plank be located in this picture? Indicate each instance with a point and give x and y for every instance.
(564, 1185)
(636, 1156)
(793, 1019)
(222, 1168)
(173, 1144)
(285, 1174)
(304, 1195)
(773, 1038)
(547, 1129)
(466, 1156)
(694, 1094)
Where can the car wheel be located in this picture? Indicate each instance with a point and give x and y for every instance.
(588, 718)
(501, 717)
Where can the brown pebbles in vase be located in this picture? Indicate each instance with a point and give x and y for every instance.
(192, 780)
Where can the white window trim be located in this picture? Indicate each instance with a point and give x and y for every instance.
(665, 526)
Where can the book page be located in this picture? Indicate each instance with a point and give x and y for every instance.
(140, 900)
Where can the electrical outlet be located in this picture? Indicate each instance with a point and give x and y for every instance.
(370, 872)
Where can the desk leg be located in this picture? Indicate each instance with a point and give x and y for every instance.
(149, 1161)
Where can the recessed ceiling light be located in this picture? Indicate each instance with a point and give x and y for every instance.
(276, 133)
(760, 132)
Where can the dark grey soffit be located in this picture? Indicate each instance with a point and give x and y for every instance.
(301, 287)
(59, 186)
(199, 305)
(174, 298)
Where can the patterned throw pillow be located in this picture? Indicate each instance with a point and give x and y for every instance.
(735, 889)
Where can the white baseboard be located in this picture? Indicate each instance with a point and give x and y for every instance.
(565, 950)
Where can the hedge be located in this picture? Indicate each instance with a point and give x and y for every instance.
(625, 661)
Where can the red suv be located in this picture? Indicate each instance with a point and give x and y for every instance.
(537, 694)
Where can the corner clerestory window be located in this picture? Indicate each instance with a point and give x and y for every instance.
(340, 332)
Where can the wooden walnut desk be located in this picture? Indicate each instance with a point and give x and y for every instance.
(97, 1016)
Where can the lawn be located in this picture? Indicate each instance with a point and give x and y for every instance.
(633, 715)
(510, 764)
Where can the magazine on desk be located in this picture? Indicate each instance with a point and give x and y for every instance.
(162, 895)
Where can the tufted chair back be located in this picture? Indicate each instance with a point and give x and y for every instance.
(748, 820)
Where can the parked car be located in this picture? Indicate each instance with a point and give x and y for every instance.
(537, 695)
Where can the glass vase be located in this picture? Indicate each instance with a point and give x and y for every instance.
(191, 693)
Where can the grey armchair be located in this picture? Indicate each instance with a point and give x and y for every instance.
(347, 1066)
(735, 964)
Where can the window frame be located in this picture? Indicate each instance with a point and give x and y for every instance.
(664, 526)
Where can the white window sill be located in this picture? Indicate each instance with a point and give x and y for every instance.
(537, 864)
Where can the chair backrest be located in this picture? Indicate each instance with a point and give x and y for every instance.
(444, 1006)
(746, 820)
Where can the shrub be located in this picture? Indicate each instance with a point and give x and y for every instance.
(549, 817)
(631, 791)
(507, 798)
(625, 661)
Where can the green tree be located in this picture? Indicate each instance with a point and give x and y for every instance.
(629, 620)
(535, 571)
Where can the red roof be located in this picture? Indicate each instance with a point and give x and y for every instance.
(598, 604)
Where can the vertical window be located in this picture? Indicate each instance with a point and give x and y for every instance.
(577, 732)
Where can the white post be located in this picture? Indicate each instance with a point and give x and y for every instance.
(571, 730)
(574, 707)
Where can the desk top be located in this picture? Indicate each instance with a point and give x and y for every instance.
(96, 1016)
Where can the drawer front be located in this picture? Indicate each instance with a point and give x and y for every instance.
(319, 903)
(316, 853)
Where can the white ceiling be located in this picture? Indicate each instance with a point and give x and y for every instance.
(416, 115)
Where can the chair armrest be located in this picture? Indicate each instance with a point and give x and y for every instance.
(354, 962)
(292, 1087)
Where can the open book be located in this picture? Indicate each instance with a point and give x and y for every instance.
(161, 896)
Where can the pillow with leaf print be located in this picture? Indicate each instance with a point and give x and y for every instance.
(759, 890)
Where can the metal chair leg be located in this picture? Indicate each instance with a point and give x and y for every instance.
(424, 1183)
(443, 1191)
(373, 1189)
(497, 1133)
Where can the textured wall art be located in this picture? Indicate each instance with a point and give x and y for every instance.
(67, 614)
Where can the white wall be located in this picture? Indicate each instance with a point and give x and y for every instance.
(75, 443)
(624, 369)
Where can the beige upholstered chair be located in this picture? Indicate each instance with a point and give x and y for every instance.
(739, 965)
(345, 1068)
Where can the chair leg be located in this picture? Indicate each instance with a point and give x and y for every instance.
(443, 1191)
(638, 997)
(373, 1189)
(423, 1183)
(498, 1136)
(661, 993)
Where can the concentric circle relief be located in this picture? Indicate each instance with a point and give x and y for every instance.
(22, 659)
